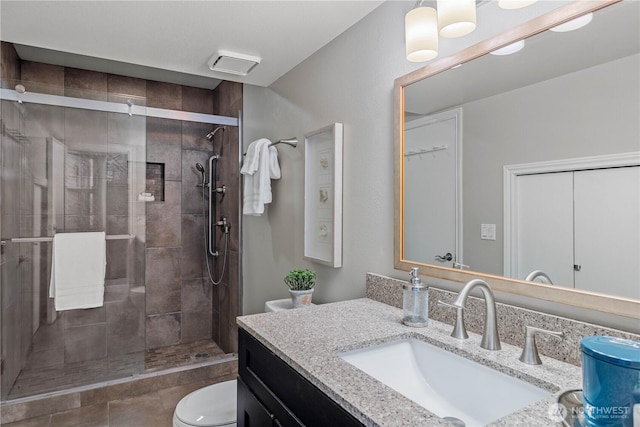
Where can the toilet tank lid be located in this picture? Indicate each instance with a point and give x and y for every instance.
(618, 351)
(209, 406)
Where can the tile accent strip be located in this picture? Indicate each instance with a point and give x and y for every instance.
(511, 319)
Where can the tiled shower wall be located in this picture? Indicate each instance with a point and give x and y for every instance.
(180, 304)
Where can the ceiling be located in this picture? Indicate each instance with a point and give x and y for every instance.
(614, 33)
(173, 40)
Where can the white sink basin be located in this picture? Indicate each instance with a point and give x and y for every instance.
(443, 382)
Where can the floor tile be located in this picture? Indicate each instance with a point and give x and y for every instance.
(171, 396)
(139, 411)
(33, 422)
(88, 416)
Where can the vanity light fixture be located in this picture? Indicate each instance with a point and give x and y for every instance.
(509, 49)
(456, 18)
(574, 24)
(515, 4)
(421, 34)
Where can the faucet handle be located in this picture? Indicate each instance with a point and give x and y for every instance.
(459, 331)
(530, 350)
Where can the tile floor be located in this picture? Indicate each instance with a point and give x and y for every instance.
(149, 410)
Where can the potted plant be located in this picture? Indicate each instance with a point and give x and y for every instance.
(300, 283)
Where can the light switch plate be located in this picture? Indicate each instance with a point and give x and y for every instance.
(488, 232)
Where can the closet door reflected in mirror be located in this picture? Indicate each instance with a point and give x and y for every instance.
(592, 220)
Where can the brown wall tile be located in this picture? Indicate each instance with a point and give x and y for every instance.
(194, 136)
(196, 310)
(193, 247)
(51, 75)
(126, 322)
(227, 100)
(163, 219)
(85, 83)
(197, 100)
(123, 85)
(163, 330)
(164, 146)
(9, 62)
(164, 95)
(163, 293)
(191, 193)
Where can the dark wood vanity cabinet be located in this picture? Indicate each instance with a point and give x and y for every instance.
(271, 393)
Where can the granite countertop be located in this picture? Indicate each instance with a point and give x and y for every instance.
(309, 340)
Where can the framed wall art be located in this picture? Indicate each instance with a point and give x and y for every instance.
(323, 196)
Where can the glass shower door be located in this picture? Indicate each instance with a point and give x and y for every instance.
(70, 169)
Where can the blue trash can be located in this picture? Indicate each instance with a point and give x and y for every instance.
(610, 381)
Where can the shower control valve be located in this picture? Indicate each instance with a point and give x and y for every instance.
(224, 225)
(220, 190)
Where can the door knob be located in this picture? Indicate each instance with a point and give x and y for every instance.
(446, 257)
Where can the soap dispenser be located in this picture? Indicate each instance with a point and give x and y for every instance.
(415, 301)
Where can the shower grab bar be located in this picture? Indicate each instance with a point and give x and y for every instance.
(289, 141)
(50, 239)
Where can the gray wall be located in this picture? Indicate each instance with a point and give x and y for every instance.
(349, 81)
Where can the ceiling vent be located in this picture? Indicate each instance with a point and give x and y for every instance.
(233, 63)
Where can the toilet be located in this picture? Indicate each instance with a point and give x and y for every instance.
(215, 405)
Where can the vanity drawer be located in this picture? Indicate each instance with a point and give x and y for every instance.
(250, 411)
(291, 398)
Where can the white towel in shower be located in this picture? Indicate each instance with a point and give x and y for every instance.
(257, 185)
(78, 268)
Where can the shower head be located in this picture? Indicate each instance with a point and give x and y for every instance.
(213, 132)
(201, 169)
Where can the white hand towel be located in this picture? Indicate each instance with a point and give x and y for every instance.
(252, 159)
(257, 186)
(78, 269)
(274, 166)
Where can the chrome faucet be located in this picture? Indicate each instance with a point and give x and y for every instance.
(540, 275)
(530, 350)
(490, 338)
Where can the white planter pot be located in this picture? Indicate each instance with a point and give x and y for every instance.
(301, 298)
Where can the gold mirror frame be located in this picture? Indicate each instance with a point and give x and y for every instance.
(577, 298)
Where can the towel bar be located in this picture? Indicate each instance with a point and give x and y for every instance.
(50, 239)
(289, 141)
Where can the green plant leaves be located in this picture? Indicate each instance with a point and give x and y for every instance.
(300, 280)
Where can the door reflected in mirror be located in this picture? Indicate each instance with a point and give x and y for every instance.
(567, 105)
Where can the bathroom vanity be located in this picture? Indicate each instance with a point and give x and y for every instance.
(291, 371)
(270, 392)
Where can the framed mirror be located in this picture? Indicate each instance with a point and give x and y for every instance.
(491, 152)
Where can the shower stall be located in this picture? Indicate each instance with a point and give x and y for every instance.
(78, 160)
